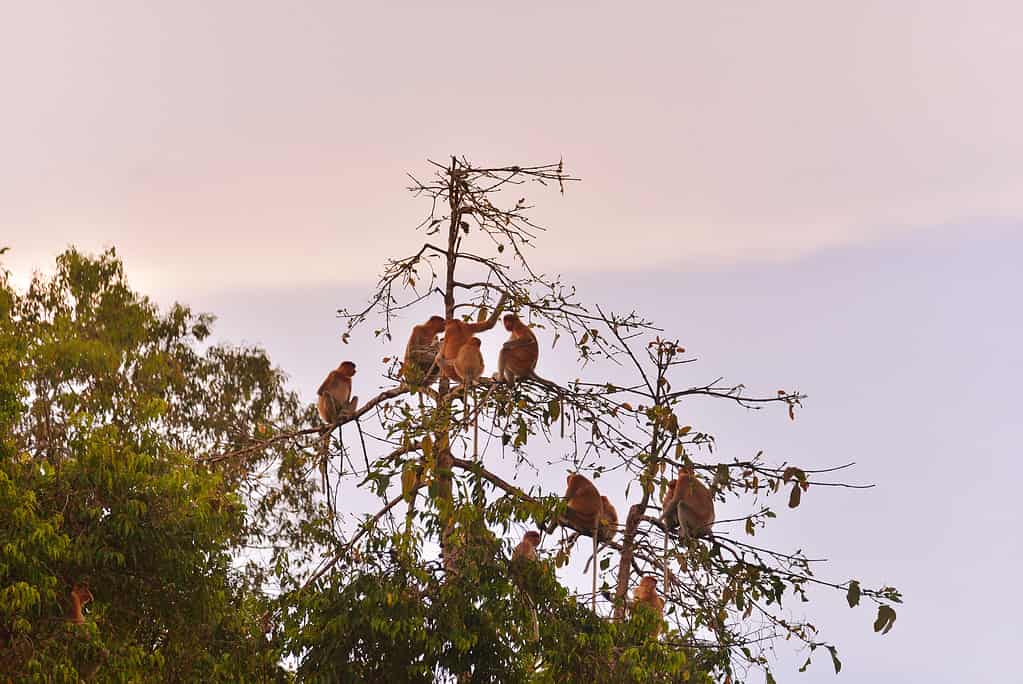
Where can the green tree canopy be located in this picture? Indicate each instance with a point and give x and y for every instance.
(105, 404)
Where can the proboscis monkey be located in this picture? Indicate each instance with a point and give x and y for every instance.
(525, 553)
(469, 366)
(335, 394)
(456, 334)
(419, 367)
(645, 594)
(526, 549)
(584, 504)
(608, 527)
(518, 356)
(334, 399)
(80, 595)
(583, 514)
(688, 504)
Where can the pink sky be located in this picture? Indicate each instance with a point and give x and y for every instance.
(264, 142)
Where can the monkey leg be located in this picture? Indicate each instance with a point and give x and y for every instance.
(684, 533)
(502, 362)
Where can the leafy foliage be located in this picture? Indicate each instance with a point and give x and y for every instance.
(105, 404)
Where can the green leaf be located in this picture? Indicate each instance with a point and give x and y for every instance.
(885, 619)
(834, 659)
(794, 496)
(853, 595)
(408, 480)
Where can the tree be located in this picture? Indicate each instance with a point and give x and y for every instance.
(197, 496)
(384, 605)
(105, 407)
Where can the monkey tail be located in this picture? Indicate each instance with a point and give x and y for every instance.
(475, 427)
(596, 542)
(475, 417)
(665, 557)
(536, 618)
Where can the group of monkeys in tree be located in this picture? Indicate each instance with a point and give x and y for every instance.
(687, 505)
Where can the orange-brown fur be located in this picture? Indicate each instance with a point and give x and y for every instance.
(456, 334)
(584, 505)
(335, 394)
(519, 354)
(646, 594)
(80, 595)
(469, 367)
(688, 500)
(421, 352)
(526, 548)
(608, 520)
(469, 362)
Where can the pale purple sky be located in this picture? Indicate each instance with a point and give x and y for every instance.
(830, 197)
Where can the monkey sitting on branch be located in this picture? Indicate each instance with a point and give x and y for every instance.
(419, 368)
(587, 514)
(80, 595)
(523, 557)
(526, 549)
(644, 596)
(518, 356)
(334, 398)
(688, 505)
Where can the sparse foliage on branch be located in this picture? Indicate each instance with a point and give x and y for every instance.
(445, 518)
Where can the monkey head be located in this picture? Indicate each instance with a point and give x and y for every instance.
(533, 537)
(435, 324)
(649, 582)
(347, 369)
(81, 593)
(686, 474)
(510, 321)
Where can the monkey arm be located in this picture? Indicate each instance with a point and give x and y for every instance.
(669, 512)
(491, 321)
